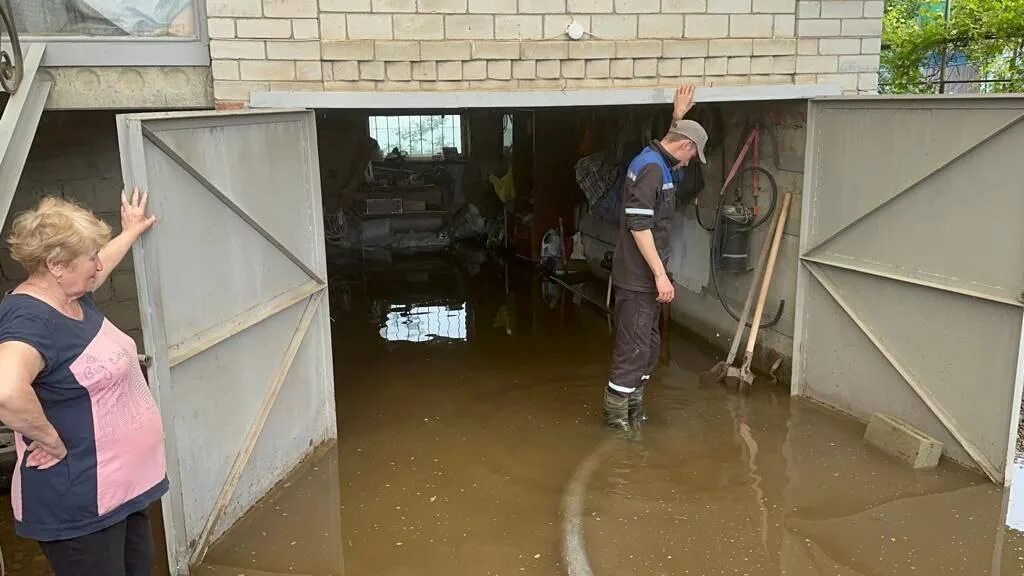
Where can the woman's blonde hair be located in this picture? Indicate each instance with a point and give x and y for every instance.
(56, 231)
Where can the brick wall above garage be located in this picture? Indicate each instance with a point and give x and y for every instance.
(401, 45)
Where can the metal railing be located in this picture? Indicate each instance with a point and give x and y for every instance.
(11, 63)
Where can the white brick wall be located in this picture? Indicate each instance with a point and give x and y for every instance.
(508, 44)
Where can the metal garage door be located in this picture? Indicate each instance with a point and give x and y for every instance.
(912, 267)
(232, 293)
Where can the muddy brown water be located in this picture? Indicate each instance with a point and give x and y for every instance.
(469, 408)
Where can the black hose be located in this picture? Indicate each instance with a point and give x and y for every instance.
(714, 252)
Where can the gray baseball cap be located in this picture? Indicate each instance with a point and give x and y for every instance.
(693, 131)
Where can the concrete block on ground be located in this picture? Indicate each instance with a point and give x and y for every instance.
(903, 442)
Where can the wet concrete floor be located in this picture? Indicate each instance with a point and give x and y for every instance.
(470, 444)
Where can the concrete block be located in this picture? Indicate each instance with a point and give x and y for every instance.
(592, 49)
(495, 50)
(557, 50)
(730, 47)
(670, 67)
(807, 47)
(459, 50)
(549, 69)
(221, 28)
(236, 8)
(443, 6)
(419, 27)
(586, 84)
(707, 26)
(805, 79)
(842, 9)
(591, 6)
(862, 27)
(345, 5)
(123, 286)
(751, 26)
(660, 26)
(874, 9)
(574, 69)
(398, 86)
(424, 71)
(868, 63)
(871, 46)
(785, 26)
(291, 8)
(903, 441)
(638, 49)
(782, 47)
(784, 64)
(293, 50)
(327, 70)
(393, 6)
(818, 28)
(868, 83)
(335, 27)
(836, 46)
(762, 65)
(685, 48)
(360, 26)
(716, 66)
(310, 71)
(499, 69)
(391, 51)
(615, 26)
(494, 85)
(267, 70)
(731, 81)
(684, 6)
(524, 69)
(225, 70)
(637, 6)
(622, 68)
(351, 86)
(848, 82)
(518, 27)
(354, 50)
(104, 293)
(470, 27)
(542, 6)
(371, 70)
(347, 71)
(808, 9)
(738, 66)
(237, 50)
(645, 68)
(306, 29)
(399, 71)
(817, 64)
(492, 6)
(729, 6)
(475, 70)
(541, 84)
(238, 91)
(775, 6)
(691, 67)
(598, 68)
(124, 315)
(449, 71)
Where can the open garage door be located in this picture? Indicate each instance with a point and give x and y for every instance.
(912, 267)
(232, 292)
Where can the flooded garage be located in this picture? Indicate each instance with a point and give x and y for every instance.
(472, 444)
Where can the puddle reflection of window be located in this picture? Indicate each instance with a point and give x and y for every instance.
(1015, 511)
(105, 17)
(425, 323)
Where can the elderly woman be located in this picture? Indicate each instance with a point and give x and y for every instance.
(88, 433)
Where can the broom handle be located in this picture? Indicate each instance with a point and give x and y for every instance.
(762, 259)
(776, 240)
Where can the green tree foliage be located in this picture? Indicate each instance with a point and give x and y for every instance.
(989, 33)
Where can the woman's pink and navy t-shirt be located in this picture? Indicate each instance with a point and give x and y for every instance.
(93, 392)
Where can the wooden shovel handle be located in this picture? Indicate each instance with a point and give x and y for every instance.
(766, 282)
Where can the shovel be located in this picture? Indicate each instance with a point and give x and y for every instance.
(718, 371)
(745, 375)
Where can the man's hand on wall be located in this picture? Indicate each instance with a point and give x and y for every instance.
(683, 101)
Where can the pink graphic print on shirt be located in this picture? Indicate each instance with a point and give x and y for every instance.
(129, 433)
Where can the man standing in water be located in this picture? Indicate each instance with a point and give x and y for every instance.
(638, 268)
